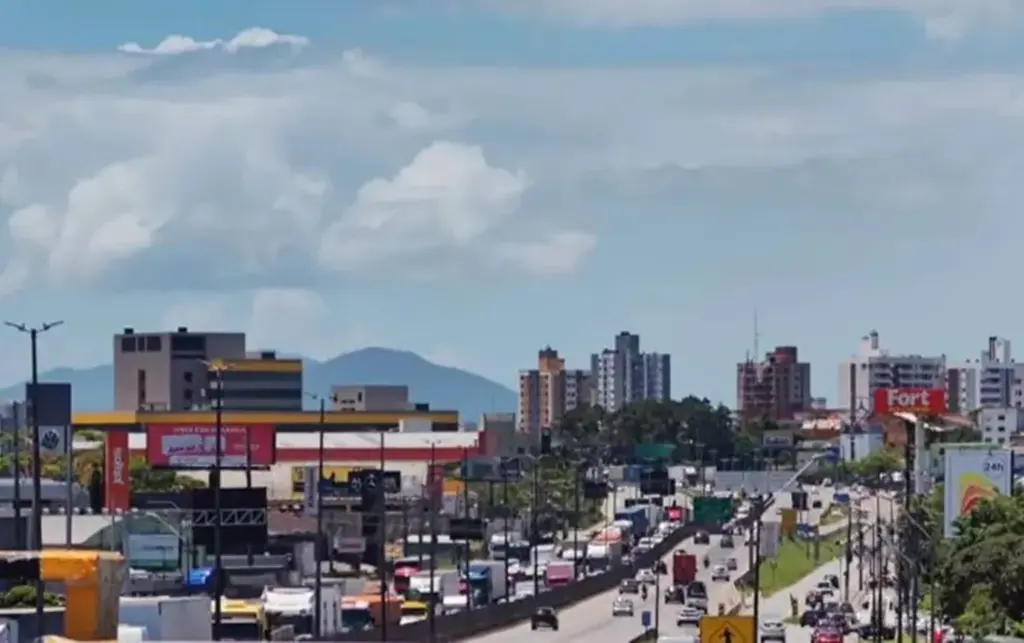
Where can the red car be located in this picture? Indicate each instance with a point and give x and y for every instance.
(827, 636)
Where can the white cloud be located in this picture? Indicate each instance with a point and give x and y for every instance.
(447, 197)
(558, 254)
(290, 320)
(951, 14)
(252, 38)
(228, 179)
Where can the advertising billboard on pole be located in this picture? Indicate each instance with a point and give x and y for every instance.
(117, 482)
(920, 401)
(193, 446)
(974, 475)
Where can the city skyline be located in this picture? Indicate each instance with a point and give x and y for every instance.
(324, 181)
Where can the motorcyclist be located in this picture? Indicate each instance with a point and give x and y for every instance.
(643, 592)
(707, 561)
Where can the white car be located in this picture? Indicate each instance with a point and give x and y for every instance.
(773, 630)
(719, 572)
(645, 545)
(646, 576)
(622, 607)
(689, 615)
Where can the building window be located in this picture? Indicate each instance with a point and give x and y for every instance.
(188, 376)
(187, 394)
(128, 344)
(153, 344)
(140, 386)
(359, 396)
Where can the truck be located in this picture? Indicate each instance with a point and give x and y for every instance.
(486, 581)
(166, 618)
(360, 613)
(296, 606)
(684, 568)
(602, 555)
(639, 516)
(559, 573)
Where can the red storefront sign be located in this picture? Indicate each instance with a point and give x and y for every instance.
(195, 446)
(116, 473)
(920, 401)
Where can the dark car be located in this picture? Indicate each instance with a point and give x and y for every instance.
(815, 504)
(701, 538)
(675, 594)
(629, 586)
(546, 617)
(811, 618)
(727, 542)
(870, 630)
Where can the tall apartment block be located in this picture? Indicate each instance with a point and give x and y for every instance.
(547, 392)
(777, 388)
(874, 368)
(185, 370)
(623, 374)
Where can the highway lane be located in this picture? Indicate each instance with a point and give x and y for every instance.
(592, 620)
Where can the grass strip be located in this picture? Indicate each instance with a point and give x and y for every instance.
(796, 559)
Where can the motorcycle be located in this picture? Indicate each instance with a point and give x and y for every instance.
(707, 562)
(643, 593)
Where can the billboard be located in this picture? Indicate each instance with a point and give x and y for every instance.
(193, 446)
(788, 522)
(153, 552)
(972, 476)
(771, 539)
(488, 469)
(752, 482)
(331, 472)
(117, 484)
(920, 401)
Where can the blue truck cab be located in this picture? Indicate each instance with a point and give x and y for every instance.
(639, 516)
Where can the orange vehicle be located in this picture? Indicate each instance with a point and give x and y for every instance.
(356, 608)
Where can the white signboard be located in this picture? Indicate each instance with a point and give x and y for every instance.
(153, 552)
(752, 482)
(771, 538)
(973, 476)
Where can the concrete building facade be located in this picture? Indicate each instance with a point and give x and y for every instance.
(874, 368)
(778, 388)
(547, 392)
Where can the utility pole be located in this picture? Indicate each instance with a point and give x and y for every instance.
(37, 465)
(218, 525)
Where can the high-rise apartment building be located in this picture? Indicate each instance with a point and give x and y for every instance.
(874, 368)
(623, 374)
(547, 392)
(993, 381)
(777, 388)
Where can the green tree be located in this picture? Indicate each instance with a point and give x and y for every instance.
(871, 468)
(147, 479)
(986, 557)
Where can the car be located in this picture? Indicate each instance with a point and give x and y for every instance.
(645, 545)
(689, 615)
(629, 586)
(726, 542)
(815, 504)
(544, 617)
(719, 572)
(675, 594)
(773, 630)
(826, 635)
(622, 607)
(731, 564)
(701, 538)
(869, 630)
(646, 576)
(697, 595)
(812, 617)
(832, 579)
(813, 597)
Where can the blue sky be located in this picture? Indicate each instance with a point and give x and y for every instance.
(476, 179)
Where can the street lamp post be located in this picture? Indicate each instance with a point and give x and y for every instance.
(37, 492)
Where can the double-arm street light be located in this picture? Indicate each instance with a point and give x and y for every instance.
(37, 516)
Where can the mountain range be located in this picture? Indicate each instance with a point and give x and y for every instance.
(443, 387)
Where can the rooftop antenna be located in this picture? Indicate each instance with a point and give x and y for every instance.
(757, 337)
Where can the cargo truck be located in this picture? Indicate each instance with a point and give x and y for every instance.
(166, 618)
(486, 580)
(559, 573)
(684, 568)
(638, 516)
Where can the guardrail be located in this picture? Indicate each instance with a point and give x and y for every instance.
(468, 624)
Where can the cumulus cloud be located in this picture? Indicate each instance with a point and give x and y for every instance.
(349, 169)
(252, 38)
(291, 320)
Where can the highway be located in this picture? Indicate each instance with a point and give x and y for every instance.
(778, 606)
(591, 621)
